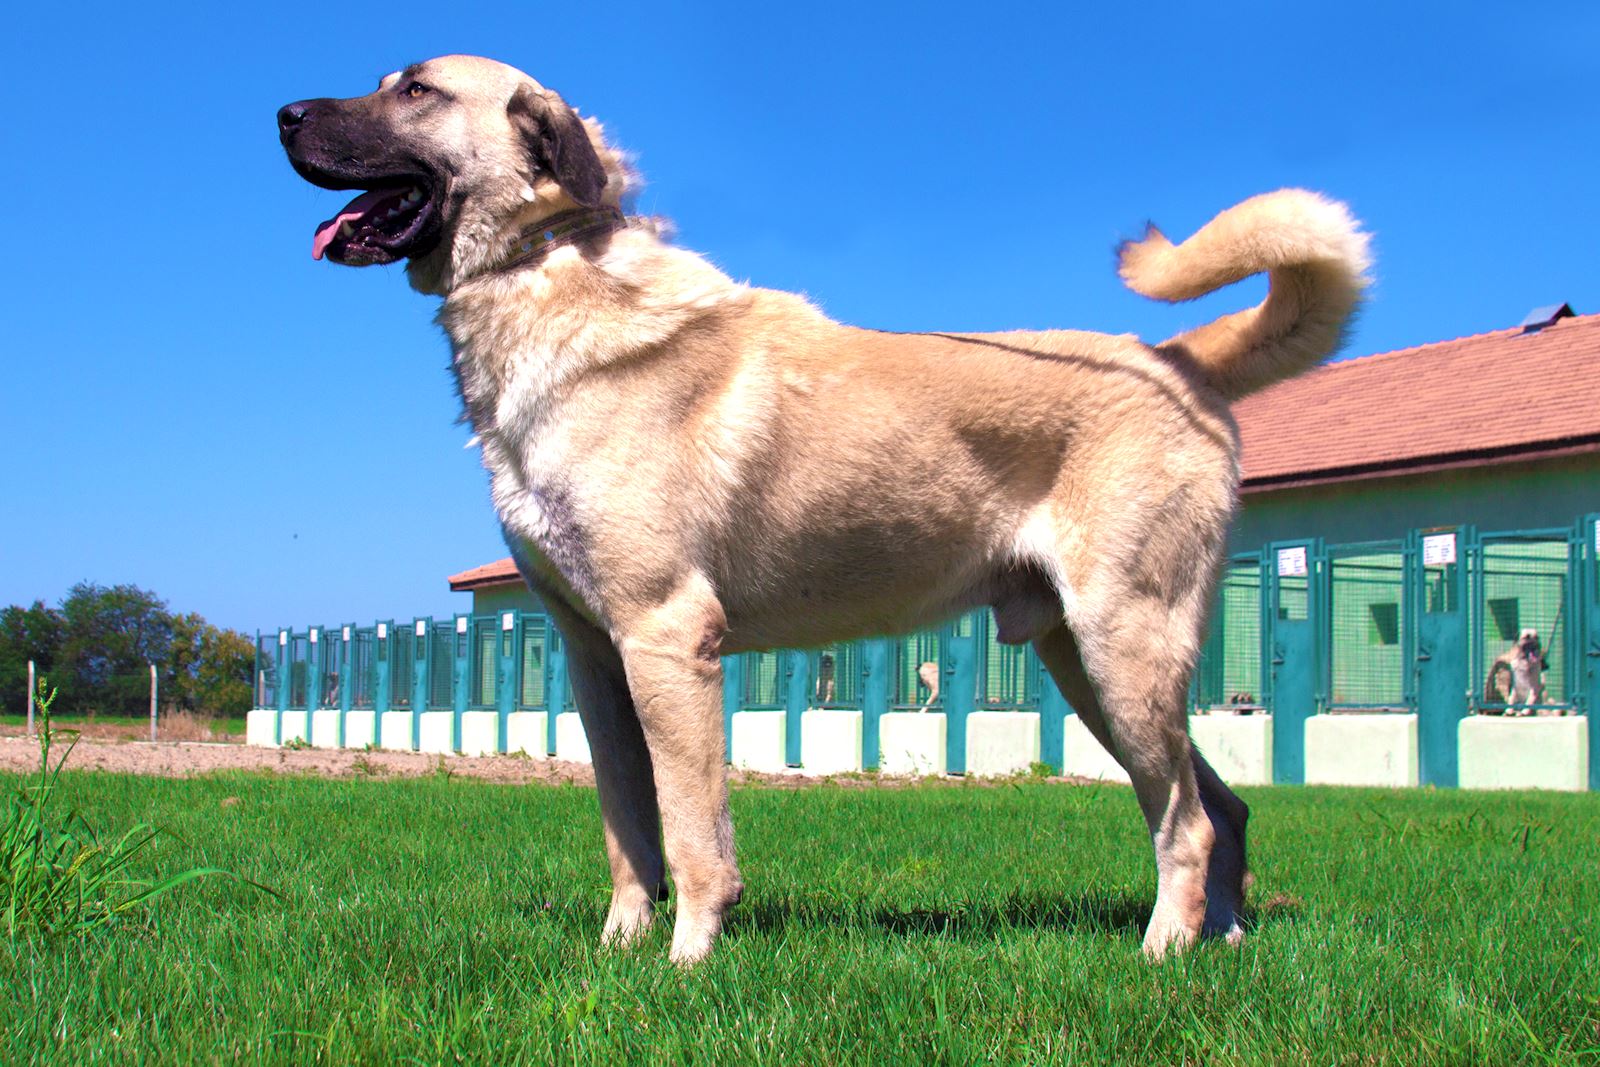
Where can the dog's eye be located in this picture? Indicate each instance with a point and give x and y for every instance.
(417, 89)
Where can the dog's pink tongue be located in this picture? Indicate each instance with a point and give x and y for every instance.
(353, 211)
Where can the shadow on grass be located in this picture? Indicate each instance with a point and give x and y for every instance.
(962, 920)
(1114, 914)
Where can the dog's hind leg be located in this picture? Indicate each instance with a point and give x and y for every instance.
(672, 654)
(1127, 680)
(623, 775)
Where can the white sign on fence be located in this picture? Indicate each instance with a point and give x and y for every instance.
(461, 625)
(313, 635)
(507, 621)
(1292, 562)
(347, 633)
(1438, 549)
(383, 631)
(283, 638)
(422, 627)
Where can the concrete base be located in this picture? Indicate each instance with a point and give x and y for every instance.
(1002, 742)
(325, 728)
(360, 728)
(913, 742)
(1373, 749)
(1083, 756)
(438, 733)
(525, 732)
(759, 739)
(480, 733)
(830, 742)
(1238, 747)
(261, 727)
(572, 744)
(296, 727)
(394, 731)
(1501, 753)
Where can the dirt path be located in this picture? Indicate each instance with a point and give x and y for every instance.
(185, 759)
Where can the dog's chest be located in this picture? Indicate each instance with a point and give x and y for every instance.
(530, 462)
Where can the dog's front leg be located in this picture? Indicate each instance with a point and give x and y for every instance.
(622, 773)
(672, 654)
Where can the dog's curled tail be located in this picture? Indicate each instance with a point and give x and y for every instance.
(1315, 254)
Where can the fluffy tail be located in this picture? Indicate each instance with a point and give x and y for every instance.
(1316, 258)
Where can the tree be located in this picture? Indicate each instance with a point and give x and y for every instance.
(112, 635)
(209, 668)
(33, 633)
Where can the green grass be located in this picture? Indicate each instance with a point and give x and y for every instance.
(442, 920)
(230, 726)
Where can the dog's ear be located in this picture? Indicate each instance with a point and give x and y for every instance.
(558, 144)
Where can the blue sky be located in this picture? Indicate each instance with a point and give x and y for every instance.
(194, 405)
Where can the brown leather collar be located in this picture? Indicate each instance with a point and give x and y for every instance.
(569, 227)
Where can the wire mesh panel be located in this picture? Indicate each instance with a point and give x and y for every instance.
(836, 676)
(299, 670)
(266, 694)
(331, 638)
(1368, 614)
(363, 666)
(482, 649)
(1521, 583)
(1229, 672)
(1008, 676)
(401, 649)
(763, 681)
(441, 666)
(917, 670)
(531, 662)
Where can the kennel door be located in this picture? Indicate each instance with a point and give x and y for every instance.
(1437, 563)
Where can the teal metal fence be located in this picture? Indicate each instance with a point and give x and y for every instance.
(1299, 628)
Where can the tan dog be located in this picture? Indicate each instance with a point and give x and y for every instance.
(651, 432)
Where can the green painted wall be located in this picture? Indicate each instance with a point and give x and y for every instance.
(1504, 497)
(513, 596)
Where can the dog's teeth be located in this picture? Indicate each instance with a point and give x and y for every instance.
(414, 195)
(345, 229)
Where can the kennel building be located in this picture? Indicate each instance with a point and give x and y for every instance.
(1404, 517)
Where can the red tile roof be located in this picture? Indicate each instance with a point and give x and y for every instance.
(499, 572)
(1495, 397)
(1492, 398)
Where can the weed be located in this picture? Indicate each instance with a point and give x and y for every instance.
(56, 877)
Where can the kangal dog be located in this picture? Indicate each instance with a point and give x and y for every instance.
(668, 464)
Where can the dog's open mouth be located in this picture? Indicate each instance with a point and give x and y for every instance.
(379, 226)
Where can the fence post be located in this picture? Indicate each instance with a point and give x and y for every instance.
(1053, 712)
(732, 697)
(797, 697)
(347, 679)
(506, 687)
(31, 687)
(421, 661)
(959, 693)
(284, 686)
(153, 684)
(555, 690)
(314, 675)
(380, 679)
(460, 676)
(1588, 577)
(877, 670)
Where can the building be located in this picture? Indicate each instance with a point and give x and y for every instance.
(1405, 517)
(1500, 430)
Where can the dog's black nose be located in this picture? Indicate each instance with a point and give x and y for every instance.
(292, 115)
